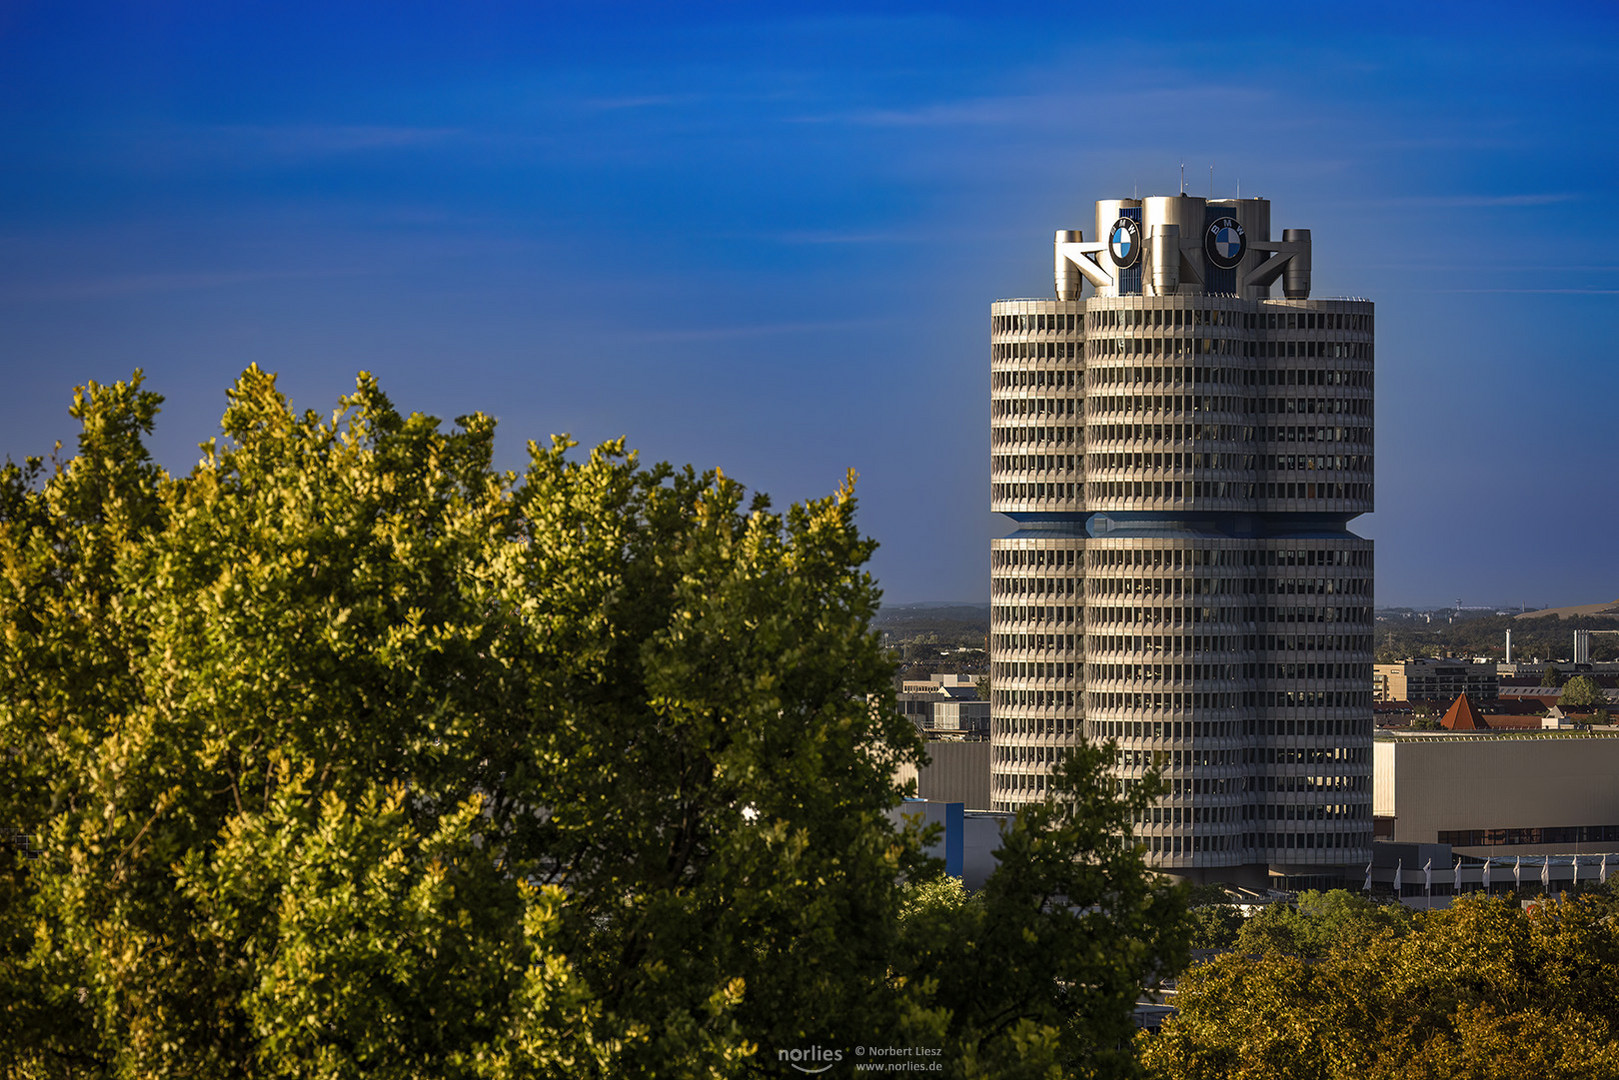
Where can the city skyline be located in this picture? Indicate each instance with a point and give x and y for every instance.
(781, 231)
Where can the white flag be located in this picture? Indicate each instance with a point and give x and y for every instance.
(1398, 867)
(1602, 875)
(1576, 869)
(1546, 871)
(1486, 875)
(1368, 886)
(1458, 885)
(1427, 876)
(1517, 873)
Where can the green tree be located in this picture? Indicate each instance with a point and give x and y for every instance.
(1215, 920)
(349, 755)
(316, 735)
(1582, 692)
(1215, 926)
(1037, 973)
(1204, 895)
(1320, 922)
(1551, 676)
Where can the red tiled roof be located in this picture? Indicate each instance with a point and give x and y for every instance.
(1461, 717)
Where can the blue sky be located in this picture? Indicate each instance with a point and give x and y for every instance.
(766, 238)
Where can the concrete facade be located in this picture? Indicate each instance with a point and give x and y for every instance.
(1181, 455)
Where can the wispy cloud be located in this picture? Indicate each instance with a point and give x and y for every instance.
(321, 139)
(1469, 268)
(1471, 201)
(1059, 106)
(1570, 292)
(119, 285)
(641, 101)
(834, 236)
(984, 111)
(726, 333)
(146, 149)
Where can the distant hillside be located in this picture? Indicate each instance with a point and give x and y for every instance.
(1611, 608)
(934, 617)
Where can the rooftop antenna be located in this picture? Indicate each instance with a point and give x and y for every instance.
(1211, 179)
(1239, 187)
(1183, 178)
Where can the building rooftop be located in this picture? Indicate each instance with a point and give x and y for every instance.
(1461, 717)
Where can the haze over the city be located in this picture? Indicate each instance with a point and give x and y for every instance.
(767, 239)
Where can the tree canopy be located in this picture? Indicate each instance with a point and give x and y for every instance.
(1320, 922)
(350, 755)
(1481, 990)
(1583, 692)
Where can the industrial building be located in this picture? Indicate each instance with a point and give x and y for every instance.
(1181, 454)
(956, 771)
(1492, 794)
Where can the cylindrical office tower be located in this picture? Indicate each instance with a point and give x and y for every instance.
(1182, 455)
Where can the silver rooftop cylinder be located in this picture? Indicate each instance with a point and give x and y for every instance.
(1069, 281)
(1296, 278)
(1165, 249)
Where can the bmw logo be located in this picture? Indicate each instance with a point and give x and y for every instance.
(1224, 243)
(1124, 243)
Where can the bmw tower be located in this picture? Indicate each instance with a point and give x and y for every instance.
(1181, 454)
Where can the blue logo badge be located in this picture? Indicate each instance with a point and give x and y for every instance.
(1124, 243)
(1224, 243)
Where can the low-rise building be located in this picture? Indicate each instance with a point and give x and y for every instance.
(945, 706)
(946, 683)
(1429, 679)
(968, 839)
